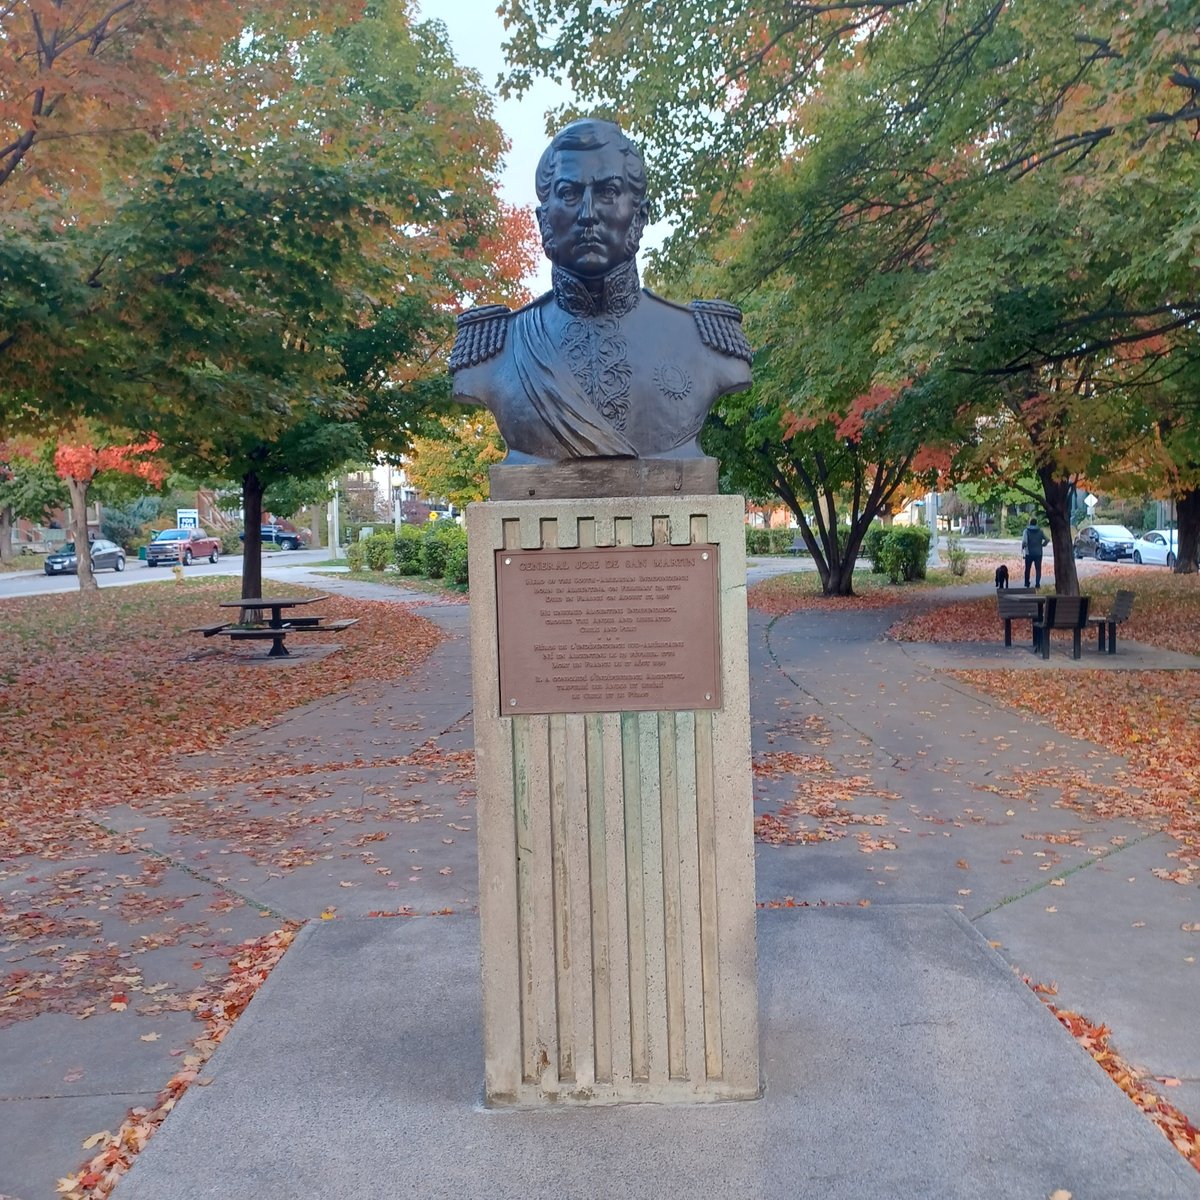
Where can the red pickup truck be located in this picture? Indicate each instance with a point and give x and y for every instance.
(173, 546)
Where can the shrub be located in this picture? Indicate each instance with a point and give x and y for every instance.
(456, 565)
(872, 544)
(355, 557)
(230, 543)
(124, 525)
(379, 550)
(408, 550)
(957, 556)
(903, 552)
(781, 540)
(758, 541)
(437, 540)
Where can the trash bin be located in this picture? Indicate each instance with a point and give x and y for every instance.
(142, 553)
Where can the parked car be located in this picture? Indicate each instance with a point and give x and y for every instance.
(276, 535)
(105, 554)
(1104, 541)
(181, 546)
(1159, 546)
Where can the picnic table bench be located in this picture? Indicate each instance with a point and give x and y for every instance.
(1120, 612)
(1061, 612)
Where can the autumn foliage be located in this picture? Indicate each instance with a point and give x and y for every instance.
(78, 78)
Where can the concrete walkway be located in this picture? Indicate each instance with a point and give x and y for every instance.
(962, 877)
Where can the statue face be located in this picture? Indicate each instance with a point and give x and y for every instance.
(592, 220)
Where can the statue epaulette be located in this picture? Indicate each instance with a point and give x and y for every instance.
(720, 326)
(480, 335)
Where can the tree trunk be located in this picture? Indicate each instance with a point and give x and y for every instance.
(252, 498)
(1057, 493)
(840, 580)
(1187, 511)
(78, 489)
(6, 527)
(316, 518)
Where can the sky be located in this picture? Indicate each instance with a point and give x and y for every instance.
(476, 33)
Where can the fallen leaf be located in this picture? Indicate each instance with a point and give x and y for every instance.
(97, 1138)
(149, 1037)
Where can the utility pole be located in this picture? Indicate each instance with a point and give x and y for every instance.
(335, 531)
(931, 515)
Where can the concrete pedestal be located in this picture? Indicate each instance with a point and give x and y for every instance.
(616, 854)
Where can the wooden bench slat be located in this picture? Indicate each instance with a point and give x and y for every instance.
(209, 630)
(329, 626)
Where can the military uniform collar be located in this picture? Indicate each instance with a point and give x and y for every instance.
(622, 289)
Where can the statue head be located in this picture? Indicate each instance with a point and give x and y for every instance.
(591, 189)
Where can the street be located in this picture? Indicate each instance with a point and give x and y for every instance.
(276, 565)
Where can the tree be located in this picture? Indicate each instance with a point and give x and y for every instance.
(29, 489)
(83, 79)
(266, 300)
(78, 461)
(452, 462)
(1002, 197)
(837, 472)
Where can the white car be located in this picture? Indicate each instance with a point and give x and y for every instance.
(1159, 546)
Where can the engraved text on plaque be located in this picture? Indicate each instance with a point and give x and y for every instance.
(620, 629)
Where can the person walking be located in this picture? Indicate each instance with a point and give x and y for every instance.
(1032, 541)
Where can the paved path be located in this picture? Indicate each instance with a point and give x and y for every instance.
(327, 822)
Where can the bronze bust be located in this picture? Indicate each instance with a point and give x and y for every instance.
(599, 367)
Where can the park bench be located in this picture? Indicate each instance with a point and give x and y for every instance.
(797, 546)
(1015, 604)
(317, 625)
(1120, 612)
(1061, 612)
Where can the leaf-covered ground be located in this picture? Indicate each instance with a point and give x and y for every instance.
(104, 702)
(1166, 611)
(779, 595)
(112, 703)
(1148, 717)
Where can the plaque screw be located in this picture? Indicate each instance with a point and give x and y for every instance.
(512, 704)
(508, 563)
(705, 556)
(707, 695)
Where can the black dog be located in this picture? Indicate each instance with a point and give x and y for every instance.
(1001, 576)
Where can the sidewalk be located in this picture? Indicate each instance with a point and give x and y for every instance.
(363, 804)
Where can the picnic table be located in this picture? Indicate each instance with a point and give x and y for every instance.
(1021, 606)
(275, 604)
(276, 628)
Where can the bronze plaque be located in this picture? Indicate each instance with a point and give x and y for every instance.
(621, 629)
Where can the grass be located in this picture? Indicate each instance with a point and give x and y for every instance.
(416, 583)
